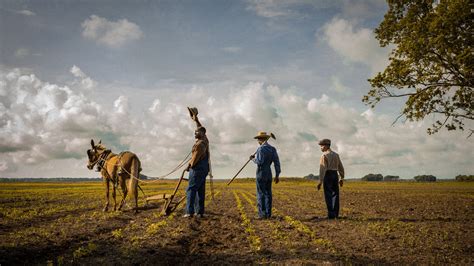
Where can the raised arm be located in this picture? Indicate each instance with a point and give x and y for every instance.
(196, 119)
(193, 113)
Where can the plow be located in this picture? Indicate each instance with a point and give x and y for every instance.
(170, 204)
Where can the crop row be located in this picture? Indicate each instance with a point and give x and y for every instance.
(255, 242)
(299, 226)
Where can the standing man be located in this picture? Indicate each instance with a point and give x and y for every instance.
(329, 165)
(198, 168)
(264, 157)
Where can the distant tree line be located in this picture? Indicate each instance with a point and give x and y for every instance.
(380, 177)
(418, 178)
(465, 178)
(425, 178)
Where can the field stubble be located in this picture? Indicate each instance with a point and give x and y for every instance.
(62, 223)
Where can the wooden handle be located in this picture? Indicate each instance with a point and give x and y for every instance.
(238, 172)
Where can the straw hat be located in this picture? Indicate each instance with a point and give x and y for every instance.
(324, 142)
(262, 135)
(193, 111)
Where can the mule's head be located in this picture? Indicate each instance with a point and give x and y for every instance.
(94, 154)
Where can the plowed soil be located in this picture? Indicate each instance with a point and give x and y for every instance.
(380, 223)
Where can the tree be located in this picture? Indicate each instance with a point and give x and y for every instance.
(391, 178)
(465, 178)
(373, 177)
(425, 178)
(432, 62)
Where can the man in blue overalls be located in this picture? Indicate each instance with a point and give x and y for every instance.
(198, 169)
(264, 157)
(329, 165)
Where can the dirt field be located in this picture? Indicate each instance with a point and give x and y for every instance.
(381, 223)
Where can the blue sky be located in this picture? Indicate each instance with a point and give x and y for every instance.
(124, 71)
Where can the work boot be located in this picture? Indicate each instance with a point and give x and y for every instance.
(200, 216)
(187, 215)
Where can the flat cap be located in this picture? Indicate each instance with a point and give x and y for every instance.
(325, 142)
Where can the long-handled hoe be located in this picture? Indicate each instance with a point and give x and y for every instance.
(228, 183)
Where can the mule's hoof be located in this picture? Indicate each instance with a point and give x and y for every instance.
(105, 209)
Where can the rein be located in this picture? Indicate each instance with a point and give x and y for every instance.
(103, 162)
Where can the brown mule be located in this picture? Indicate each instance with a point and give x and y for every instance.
(119, 169)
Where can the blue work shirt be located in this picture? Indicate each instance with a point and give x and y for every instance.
(265, 156)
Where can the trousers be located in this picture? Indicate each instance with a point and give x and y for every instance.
(331, 193)
(196, 192)
(264, 197)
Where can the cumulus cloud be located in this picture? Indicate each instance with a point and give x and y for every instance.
(355, 44)
(113, 34)
(84, 81)
(41, 121)
(44, 124)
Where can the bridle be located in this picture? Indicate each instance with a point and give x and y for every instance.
(100, 160)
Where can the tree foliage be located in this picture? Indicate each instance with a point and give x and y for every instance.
(432, 62)
(391, 178)
(425, 178)
(465, 178)
(373, 177)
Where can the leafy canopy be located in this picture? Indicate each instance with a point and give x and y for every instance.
(432, 62)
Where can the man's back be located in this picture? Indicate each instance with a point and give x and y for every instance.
(330, 161)
(266, 155)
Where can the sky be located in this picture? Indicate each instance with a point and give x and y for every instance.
(124, 72)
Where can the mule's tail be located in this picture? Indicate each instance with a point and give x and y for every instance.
(133, 183)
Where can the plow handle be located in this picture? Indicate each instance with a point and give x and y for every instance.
(179, 183)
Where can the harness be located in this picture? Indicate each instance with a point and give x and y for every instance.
(101, 160)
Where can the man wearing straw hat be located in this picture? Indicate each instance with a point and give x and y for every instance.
(329, 165)
(264, 157)
(198, 168)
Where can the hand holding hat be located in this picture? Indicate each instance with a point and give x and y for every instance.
(193, 112)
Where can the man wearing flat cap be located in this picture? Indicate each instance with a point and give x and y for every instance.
(263, 158)
(198, 168)
(329, 165)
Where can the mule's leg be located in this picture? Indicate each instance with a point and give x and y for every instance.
(132, 184)
(124, 192)
(133, 181)
(114, 195)
(106, 207)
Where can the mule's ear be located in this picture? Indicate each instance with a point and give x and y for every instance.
(100, 141)
(92, 143)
